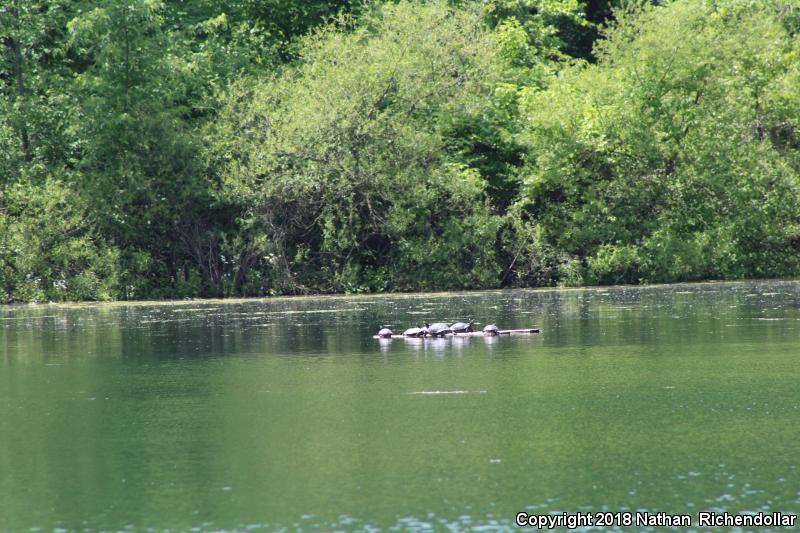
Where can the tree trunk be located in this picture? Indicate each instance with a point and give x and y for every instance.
(15, 49)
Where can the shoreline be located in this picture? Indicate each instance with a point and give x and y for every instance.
(361, 296)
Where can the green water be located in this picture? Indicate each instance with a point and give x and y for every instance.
(286, 415)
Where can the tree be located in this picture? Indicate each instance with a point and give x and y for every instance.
(138, 157)
(342, 164)
(32, 84)
(669, 159)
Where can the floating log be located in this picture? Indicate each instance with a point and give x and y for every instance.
(526, 331)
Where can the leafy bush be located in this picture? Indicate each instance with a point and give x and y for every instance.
(48, 251)
(670, 158)
(342, 164)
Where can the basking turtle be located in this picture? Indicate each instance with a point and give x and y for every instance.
(413, 332)
(462, 327)
(491, 329)
(385, 332)
(440, 329)
(424, 332)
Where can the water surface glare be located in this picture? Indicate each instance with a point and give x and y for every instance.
(286, 414)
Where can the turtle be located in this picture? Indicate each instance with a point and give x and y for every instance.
(424, 332)
(439, 329)
(491, 329)
(461, 327)
(385, 332)
(413, 332)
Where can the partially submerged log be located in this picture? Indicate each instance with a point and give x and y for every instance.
(526, 331)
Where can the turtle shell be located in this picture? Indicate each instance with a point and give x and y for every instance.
(461, 327)
(440, 328)
(412, 332)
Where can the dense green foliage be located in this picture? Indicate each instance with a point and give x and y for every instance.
(675, 157)
(153, 149)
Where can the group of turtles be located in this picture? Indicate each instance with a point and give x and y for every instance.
(439, 329)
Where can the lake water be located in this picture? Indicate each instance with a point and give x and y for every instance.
(286, 414)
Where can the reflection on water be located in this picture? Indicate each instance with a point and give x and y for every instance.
(414, 344)
(286, 414)
(385, 344)
(490, 341)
